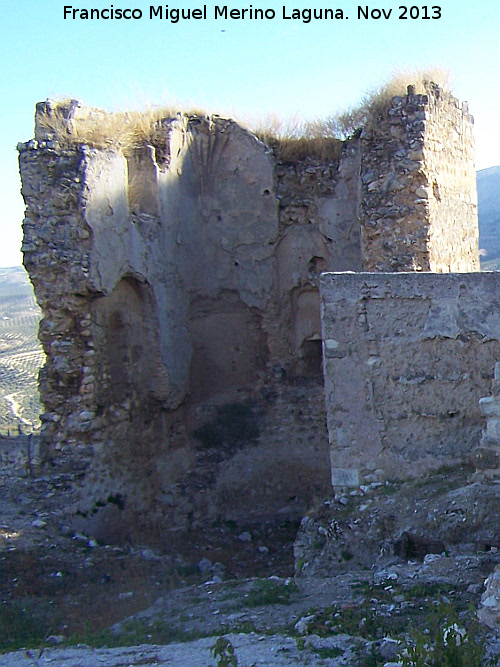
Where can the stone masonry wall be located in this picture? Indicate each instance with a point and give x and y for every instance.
(487, 455)
(451, 185)
(179, 284)
(418, 202)
(180, 290)
(407, 358)
(56, 251)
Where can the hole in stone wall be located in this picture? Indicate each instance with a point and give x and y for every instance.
(308, 344)
(311, 358)
(435, 191)
(317, 265)
(128, 340)
(411, 546)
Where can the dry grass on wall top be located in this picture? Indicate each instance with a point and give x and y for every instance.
(291, 139)
(376, 103)
(98, 129)
(323, 138)
(294, 138)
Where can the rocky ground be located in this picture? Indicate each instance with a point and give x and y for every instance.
(376, 572)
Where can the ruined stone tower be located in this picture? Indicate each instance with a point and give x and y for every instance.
(419, 205)
(179, 283)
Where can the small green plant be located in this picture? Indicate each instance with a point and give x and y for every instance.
(271, 592)
(301, 643)
(224, 651)
(446, 642)
(233, 425)
(325, 652)
(23, 625)
(371, 659)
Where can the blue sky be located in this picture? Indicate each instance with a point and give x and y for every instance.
(242, 67)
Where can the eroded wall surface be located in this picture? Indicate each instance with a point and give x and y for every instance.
(179, 284)
(407, 358)
(180, 291)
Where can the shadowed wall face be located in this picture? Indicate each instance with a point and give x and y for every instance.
(126, 337)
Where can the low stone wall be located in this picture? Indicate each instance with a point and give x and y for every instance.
(407, 358)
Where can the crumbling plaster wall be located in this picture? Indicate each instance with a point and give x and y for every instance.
(179, 283)
(180, 292)
(407, 358)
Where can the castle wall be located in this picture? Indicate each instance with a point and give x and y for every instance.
(407, 358)
(418, 186)
(182, 332)
(451, 185)
(179, 284)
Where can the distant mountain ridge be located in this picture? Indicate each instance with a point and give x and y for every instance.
(488, 196)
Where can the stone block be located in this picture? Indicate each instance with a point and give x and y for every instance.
(342, 477)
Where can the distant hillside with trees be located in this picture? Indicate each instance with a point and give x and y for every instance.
(488, 194)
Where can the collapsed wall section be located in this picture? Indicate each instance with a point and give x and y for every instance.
(407, 358)
(418, 201)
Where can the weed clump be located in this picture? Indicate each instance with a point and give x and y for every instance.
(269, 592)
(323, 138)
(70, 124)
(223, 650)
(446, 641)
(233, 425)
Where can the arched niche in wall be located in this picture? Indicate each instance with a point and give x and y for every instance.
(126, 327)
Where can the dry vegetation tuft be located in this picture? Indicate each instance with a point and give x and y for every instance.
(375, 103)
(292, 139)
(323, 138)
(121, 129)
(296, 138)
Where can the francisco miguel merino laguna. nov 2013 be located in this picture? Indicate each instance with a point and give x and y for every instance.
(174, 14)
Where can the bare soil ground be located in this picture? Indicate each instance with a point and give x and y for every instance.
(58, 582)
(66, 600)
